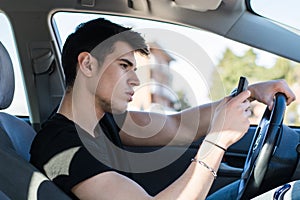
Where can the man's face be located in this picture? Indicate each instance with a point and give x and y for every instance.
(117, 78)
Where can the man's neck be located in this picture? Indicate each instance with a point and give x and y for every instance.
(81, 111)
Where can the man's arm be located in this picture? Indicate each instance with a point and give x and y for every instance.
(143, 128)
(146, 128)
(193, 184)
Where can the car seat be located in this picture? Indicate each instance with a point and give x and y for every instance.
(18, 178)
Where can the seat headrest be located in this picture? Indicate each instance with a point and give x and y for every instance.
(7, 79)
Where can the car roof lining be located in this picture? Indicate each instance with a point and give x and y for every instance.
(228, 20)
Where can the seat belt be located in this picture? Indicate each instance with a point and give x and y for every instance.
(45, 69)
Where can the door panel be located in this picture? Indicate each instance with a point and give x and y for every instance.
(229, 171)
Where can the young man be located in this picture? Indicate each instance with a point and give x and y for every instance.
(80, 148)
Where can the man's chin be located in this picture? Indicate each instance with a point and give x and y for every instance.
(119, 110)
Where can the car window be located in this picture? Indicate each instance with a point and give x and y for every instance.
(285, 12)
(19, 104)
(189, 66)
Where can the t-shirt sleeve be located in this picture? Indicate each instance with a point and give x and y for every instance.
(67, 162)
(66, 157)
(77, 166)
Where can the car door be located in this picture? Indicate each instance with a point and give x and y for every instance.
(230, 169)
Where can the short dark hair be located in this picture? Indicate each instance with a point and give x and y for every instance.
(89, 35)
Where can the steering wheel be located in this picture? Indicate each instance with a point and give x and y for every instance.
(261, 148)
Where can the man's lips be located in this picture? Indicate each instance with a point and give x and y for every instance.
(130, 94)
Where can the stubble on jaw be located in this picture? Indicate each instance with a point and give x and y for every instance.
(106, 106)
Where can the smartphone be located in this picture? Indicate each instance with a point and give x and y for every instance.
(242, 86)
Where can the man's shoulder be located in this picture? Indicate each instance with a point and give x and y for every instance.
(57, 120)
(56, 135)
(57, 131)
(56, 125)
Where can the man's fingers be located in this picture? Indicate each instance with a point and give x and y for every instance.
(243, 96)
(290, 95)
(290, 99)
(245, 105)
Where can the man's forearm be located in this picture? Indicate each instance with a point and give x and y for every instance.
(196, 120)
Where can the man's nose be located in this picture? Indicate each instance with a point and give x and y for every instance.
(133, 79)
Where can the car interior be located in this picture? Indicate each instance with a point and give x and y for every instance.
(19, 179)
(267, 157)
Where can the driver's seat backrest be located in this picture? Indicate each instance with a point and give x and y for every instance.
(20, 134)
(18, 178)
(12, 125)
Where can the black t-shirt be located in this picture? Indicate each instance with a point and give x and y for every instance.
(68, 155)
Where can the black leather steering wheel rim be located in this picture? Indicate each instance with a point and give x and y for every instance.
(261, 149)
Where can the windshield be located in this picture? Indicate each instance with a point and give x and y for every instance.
(285, 12)
(201, 67)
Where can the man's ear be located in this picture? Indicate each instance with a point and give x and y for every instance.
(85, 63)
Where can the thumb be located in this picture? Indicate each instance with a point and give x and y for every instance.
(270, 105)
(243, 96)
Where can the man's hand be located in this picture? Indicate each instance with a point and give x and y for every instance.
(230, 120)
(265, 91)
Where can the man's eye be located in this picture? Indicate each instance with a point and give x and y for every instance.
(125, 66)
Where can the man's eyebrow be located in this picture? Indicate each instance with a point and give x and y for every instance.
(127, 61)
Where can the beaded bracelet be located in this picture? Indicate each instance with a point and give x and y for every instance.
(216, 145)
(213, 172)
